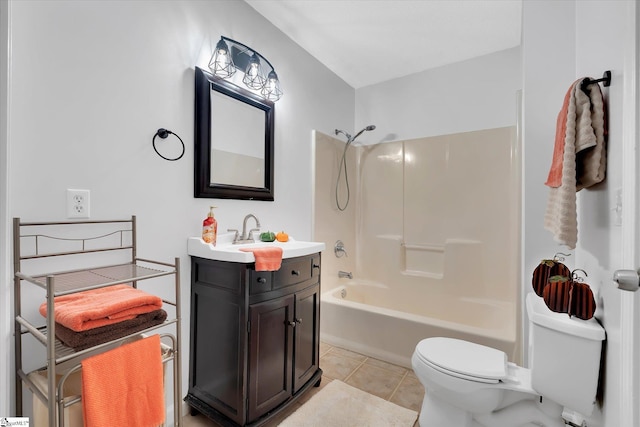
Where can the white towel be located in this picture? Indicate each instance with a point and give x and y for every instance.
(583, 162)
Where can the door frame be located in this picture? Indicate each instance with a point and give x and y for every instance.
(629, 389)
(6, 269)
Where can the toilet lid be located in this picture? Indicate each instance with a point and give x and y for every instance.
(463, 359)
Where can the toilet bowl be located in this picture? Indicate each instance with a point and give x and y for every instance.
(471, 385)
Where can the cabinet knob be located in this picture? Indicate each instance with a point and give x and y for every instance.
(262, 280)
(316, 265)
(295, 272)
(290, 323)
(299, 320)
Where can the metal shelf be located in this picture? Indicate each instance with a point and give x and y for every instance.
(61, 358)
(82, 280)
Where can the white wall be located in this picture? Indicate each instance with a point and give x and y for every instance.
(6, 337)
(548, 66)
(600, 249)
(476, 94)
(92, 81)
(563, 41)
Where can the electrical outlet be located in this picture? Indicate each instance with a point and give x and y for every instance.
(77, 203)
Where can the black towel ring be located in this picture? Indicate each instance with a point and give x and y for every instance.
(606, 81)
(164, 133)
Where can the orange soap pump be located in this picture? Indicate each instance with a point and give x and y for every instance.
(210, 228)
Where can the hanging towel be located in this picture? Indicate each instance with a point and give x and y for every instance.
(267, 258)
(579, 159)
(124, 386)
(591, 163)
(100, 307)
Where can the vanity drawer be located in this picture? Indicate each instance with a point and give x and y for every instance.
(259, 281)
(292, 271)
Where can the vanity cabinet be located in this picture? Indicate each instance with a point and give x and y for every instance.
(254, 338)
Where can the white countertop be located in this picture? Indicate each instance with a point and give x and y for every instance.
(225, 250)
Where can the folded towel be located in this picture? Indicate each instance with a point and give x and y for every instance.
(85, 339)
(100, 307)
(267, 258)
(580, 162)
(124, 386)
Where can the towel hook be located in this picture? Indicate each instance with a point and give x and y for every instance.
(606, 81)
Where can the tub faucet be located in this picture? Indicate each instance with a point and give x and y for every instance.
(247, 237)
(345, 274)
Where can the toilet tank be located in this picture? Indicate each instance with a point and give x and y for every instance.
(564, 356)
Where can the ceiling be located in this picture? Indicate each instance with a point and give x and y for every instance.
(370, 41)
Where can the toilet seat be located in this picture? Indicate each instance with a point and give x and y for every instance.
(463, 359)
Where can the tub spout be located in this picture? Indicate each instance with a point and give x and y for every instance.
(345, 275)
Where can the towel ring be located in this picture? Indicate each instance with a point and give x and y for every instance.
(164, 133)
(606, 81)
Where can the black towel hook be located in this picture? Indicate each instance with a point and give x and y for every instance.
(164, 133)
(606, 81)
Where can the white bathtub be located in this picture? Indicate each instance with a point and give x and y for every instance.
(371, 319)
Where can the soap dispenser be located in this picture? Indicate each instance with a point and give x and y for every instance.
(210, 228)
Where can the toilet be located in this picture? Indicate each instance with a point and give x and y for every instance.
(471, 385)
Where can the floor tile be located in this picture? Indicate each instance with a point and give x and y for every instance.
(324, 347)
(374, 380)
(338, 367)
(409, 394)
(388, 366)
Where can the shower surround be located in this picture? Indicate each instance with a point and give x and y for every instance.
(432, 222)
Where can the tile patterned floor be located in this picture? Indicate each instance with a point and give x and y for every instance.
(390, 382)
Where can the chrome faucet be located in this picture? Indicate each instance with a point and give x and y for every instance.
(248, 236)
(345, 274)
(244, 237)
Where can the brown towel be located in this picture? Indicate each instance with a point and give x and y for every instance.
(85, 339)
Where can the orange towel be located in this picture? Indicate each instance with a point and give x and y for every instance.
(267, 258)
(100, 307)
(124, 386)
(555, 172)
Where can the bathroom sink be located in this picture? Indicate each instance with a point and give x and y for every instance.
(225, 250)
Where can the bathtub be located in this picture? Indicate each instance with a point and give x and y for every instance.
(371, 319)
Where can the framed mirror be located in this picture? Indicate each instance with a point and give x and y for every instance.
(233, 141)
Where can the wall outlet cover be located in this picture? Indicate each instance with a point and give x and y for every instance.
(78, 203)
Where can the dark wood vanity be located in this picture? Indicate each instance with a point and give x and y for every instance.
(254, 338)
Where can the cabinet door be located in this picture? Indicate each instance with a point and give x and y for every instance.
(307, 330)
(216, 368)
(270, 354)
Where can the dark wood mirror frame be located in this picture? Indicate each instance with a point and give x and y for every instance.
(203, 187)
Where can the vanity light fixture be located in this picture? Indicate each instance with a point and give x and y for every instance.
(221, 63)
(230, 55)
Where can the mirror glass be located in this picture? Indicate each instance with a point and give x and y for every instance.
(234, 141)
(237, 152)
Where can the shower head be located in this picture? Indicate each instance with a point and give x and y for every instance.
(368, 128)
